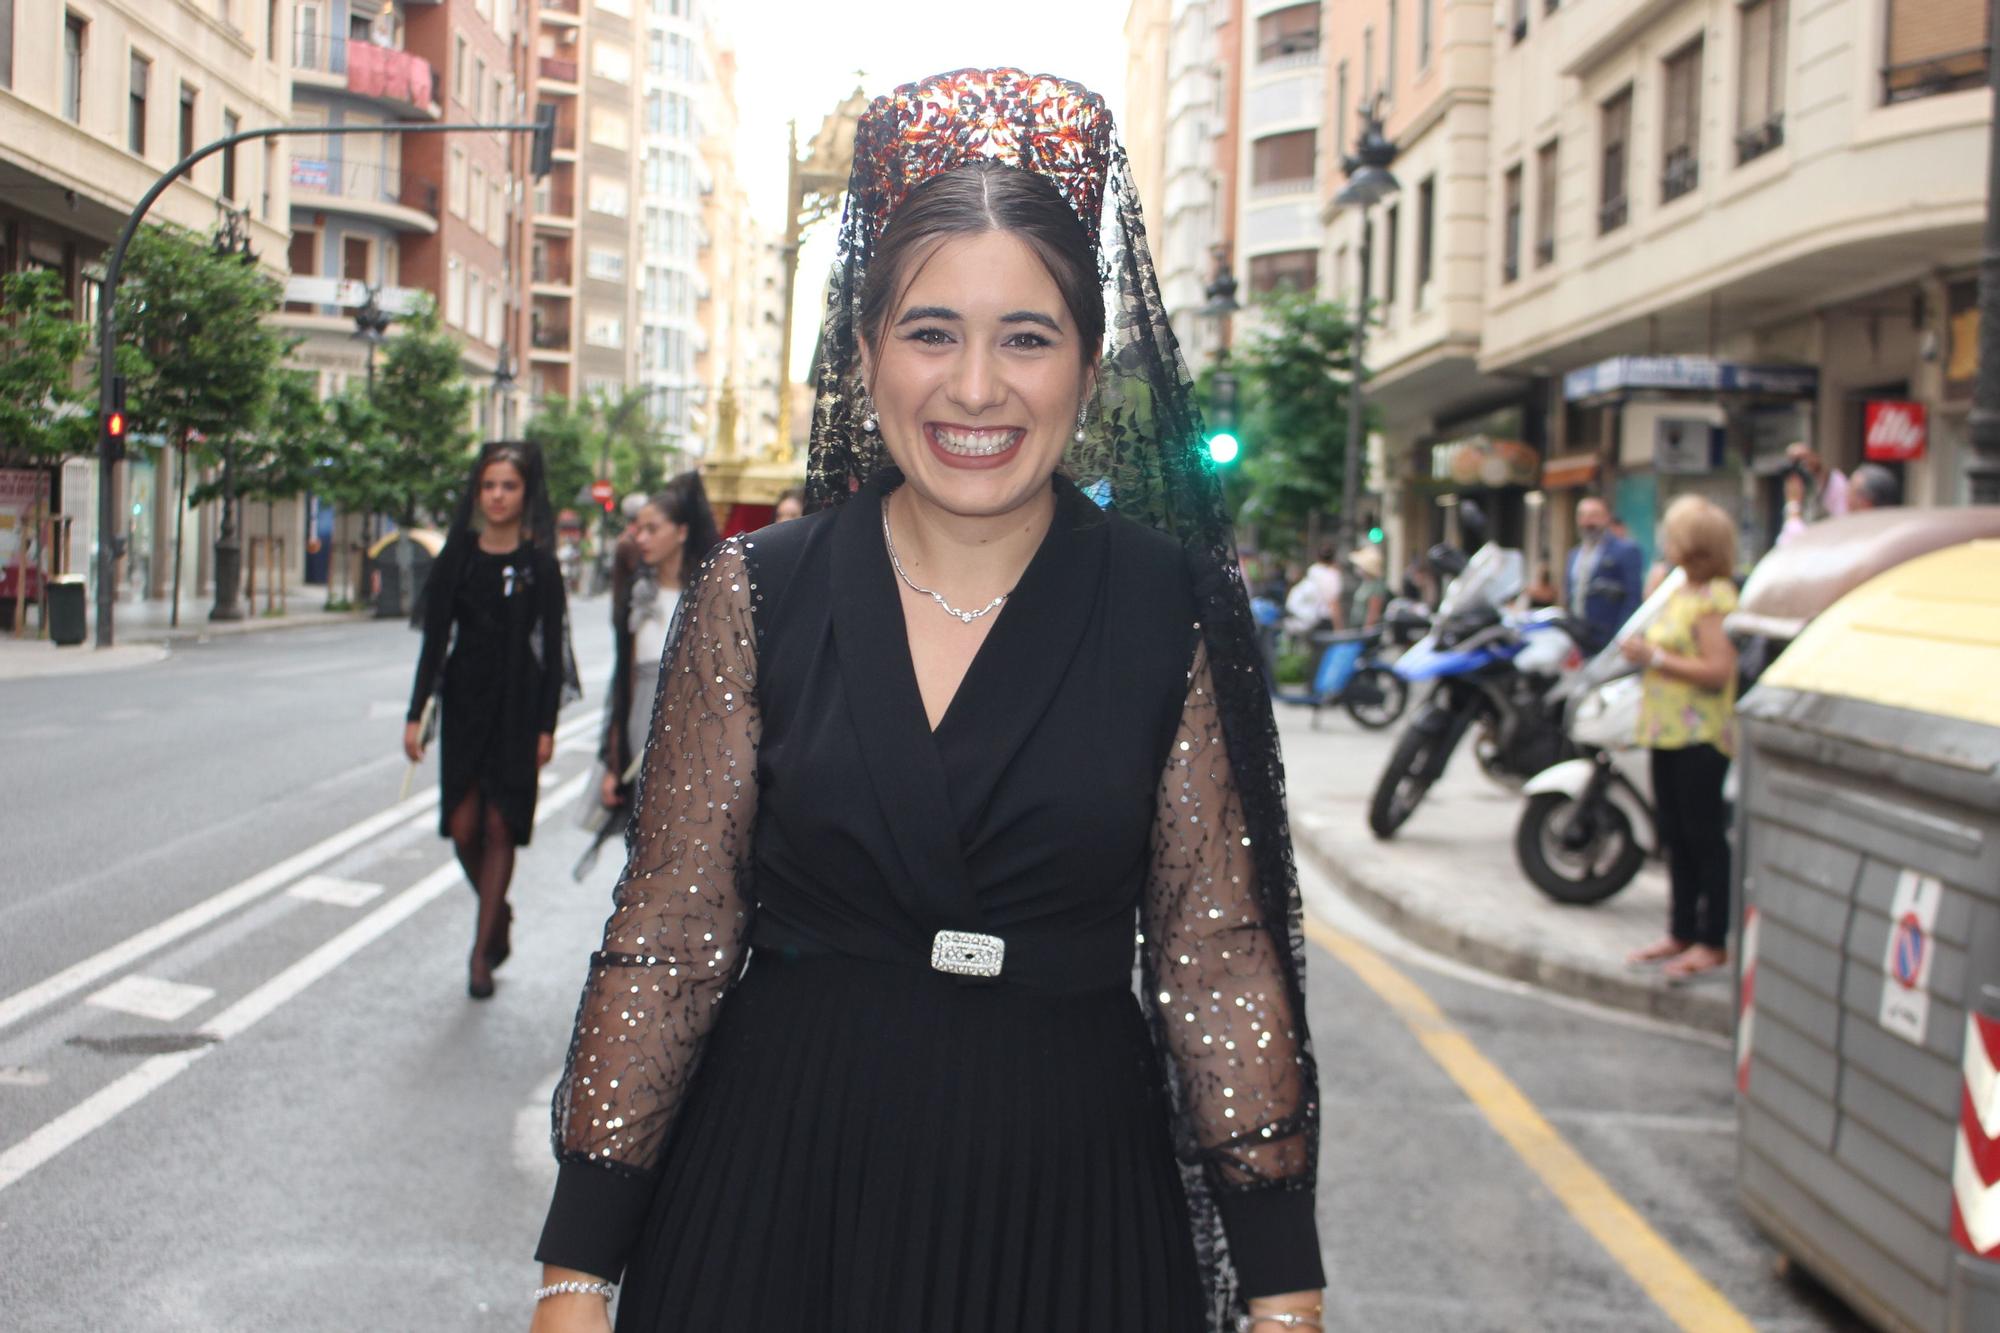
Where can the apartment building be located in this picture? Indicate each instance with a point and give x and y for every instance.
(555, 204)
(605, 337)
(97, 99)
(1722, 227)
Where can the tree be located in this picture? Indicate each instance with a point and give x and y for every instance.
(416, 430)
(1296, 371)
(567, 433)
(284, 456)
(42, 416)
(200, 366)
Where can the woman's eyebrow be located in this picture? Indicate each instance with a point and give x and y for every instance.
(927, 312)
(1031, 317)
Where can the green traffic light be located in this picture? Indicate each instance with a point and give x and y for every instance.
(1375, 536)
(1223, 447)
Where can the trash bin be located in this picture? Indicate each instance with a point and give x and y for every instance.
(68, 625)
(399, 563)
(1869, 985)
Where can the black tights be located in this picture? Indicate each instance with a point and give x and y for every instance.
(485, 850)
(1694, 831)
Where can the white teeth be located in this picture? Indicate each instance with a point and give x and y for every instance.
(975, 444)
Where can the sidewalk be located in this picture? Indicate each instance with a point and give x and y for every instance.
(1449, 880)
(144, 633)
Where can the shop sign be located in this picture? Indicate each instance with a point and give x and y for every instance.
(1479, 461)
(1896, 431)
(311, 173)
(1684, 446)
(1694, 374)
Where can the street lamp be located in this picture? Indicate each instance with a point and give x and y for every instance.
(503, 384)
(1369, 182)
(371, 322)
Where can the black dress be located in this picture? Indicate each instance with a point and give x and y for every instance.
(867, 1142)
(493, 626)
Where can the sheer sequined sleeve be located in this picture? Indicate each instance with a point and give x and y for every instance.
(675, 939)
(1217, 970)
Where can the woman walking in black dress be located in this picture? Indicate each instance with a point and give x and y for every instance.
(496, 657)
(964, 791)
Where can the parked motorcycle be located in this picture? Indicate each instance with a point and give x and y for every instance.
(1589, 824)
(1354, 667)
(1490, 672)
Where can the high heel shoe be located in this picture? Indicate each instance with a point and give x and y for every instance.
(502, 946)
(479, 990)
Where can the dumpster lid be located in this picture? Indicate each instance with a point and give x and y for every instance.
(1806, 575)
(430, 540)
(1924, 637)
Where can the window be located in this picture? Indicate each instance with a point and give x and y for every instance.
(1424, 22)
(1426, 235)
(187, 120)
(1520, 20)
(609, 196)
(1510, 224)
(1292, 31)
(478, 88)
(357, 258)
(606, 265)
(1389, 49)
(454, 182)
(1393, 231)
(1283, 159)
(72, 86)
(1367, 63)
(454, 292)
(497, 212)
(1297, 270)
(1934, 46)
(476, 199)
(475, 306)
(604, 330)
(1340, 107)
(231, 124)
(610, 128)
(1760, 79)
(7, 43)
(459, 69)
(135, 113)
(1615, 160)
(270, 29)
(1546, 163)
(1680, 128)
(611, 60)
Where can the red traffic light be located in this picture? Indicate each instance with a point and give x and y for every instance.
(114, 425)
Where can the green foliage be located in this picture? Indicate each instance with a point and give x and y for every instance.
(567, 434)
(1292, 668)
(415, 432)
(41, 413)
(580, 438)
(1295, 368)
(288, 451)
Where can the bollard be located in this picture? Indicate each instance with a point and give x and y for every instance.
(1975, 1173)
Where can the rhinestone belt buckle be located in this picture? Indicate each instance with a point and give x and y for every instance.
(966, 953)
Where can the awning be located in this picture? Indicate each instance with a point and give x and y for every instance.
(1568, 471)
(1694, 374)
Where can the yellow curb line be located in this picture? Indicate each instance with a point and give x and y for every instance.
(1682, 1293)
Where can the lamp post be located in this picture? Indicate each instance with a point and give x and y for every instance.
(1368, 183)
(371, 323)
(503, 385)
(232, 239)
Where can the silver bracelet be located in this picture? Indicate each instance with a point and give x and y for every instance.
(1247, 1322)
(571, 1287)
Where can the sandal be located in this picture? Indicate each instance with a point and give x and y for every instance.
(1698, 961)
(1659, 951)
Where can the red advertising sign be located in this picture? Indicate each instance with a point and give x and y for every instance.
(1896, 431)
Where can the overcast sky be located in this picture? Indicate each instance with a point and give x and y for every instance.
(798, 58)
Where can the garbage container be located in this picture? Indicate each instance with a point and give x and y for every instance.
(1869, 989)
(398, 564)
(68, 624)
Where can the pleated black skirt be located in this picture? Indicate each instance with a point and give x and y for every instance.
(869, 1148)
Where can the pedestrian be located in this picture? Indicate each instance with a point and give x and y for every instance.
(861, 1049)
(1795, 483)
(496, 659)
(1606, 575)
(791, 504)
(1370, 593)
(673, 533)
(1827, 490)
(1873, 486)
(1686, 718)
(1314, 602)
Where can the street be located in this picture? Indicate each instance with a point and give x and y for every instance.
(242, 1087)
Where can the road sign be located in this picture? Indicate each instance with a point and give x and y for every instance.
(600, 491)
(1906, 958)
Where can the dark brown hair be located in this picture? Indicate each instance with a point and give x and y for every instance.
(979, 197)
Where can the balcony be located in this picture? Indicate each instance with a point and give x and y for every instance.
(1758, 140)
(368, 189)
(558, 69)
(1952, 72)
(1681, 176)
(383, 74)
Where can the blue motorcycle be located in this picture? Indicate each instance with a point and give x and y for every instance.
(1351, 671)
(1489, 671)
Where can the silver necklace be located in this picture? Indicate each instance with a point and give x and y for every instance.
(967, 616)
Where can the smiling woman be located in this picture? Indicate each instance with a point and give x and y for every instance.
(935, 771)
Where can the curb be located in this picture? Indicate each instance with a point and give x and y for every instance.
(230, 629)
(1705, 1008)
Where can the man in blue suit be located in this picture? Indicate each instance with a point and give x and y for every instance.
(1606, 575)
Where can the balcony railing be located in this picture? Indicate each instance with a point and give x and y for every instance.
(370, 70)
(563, 6)
(368, 182)
(1682, 174)
(1298, 44)
(555, 67)
(1758, 140)
(550, 338)
(1614, 213)
(1952, 72)
(1545, 252)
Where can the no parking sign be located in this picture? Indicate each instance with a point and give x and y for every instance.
(1906, 958)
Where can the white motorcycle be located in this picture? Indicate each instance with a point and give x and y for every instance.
(1589, 824)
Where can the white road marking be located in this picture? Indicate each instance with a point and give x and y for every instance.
(152, 997)
(131, 949)
(382, 710)
(532, 1152)
(339, 892)
(129, 1089)
(20, 1076)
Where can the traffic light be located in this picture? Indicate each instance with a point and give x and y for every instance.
(541, 154)
(1375, 533)
(114, 421)
(1223, 446)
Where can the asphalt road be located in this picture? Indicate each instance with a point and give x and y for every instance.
(241, 1085)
